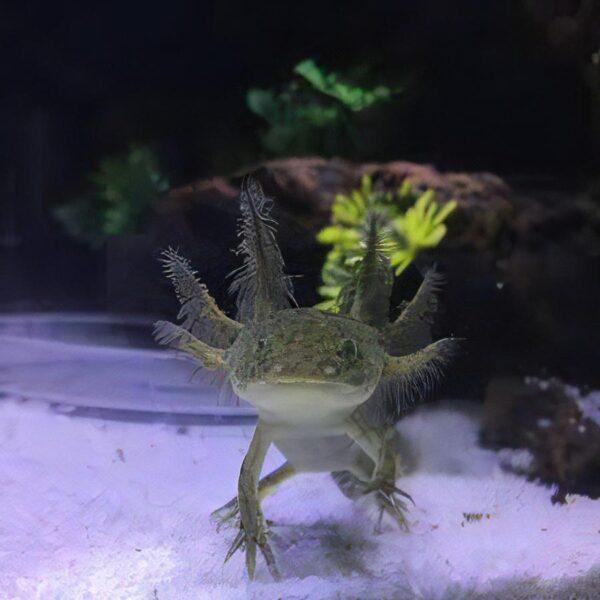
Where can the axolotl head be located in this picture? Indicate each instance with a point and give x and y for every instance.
(305, 354)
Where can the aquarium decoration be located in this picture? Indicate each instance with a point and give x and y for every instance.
(328, 388)
(410, 222)
(315, 112)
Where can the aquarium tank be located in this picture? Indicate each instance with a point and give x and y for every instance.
(300, 302)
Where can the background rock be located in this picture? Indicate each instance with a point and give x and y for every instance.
(546, 418)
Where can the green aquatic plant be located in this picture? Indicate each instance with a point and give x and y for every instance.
(411, 222)
(122, 194)
(353, 97)
(313, 113)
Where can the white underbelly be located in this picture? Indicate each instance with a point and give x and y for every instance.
(304, 409)
(306, 421)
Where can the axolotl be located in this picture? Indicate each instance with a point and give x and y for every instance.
(328, 387)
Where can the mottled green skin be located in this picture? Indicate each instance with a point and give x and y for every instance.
(305, 345)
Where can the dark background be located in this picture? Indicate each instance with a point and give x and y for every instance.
(490, 85)
(506, 86)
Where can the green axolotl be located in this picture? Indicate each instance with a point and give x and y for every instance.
(328, 387)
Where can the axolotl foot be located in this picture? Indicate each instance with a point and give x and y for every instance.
(389, 501)
(249, 542)
(227, 515)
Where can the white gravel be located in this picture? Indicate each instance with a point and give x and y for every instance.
(108, 510)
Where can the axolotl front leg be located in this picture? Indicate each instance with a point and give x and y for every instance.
(253, 530)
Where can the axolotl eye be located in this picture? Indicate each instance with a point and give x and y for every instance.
(349, 350)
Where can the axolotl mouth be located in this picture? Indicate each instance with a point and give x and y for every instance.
(304, 389)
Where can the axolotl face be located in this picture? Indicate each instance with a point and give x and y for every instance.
(306, 360)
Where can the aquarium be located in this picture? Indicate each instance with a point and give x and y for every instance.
(319, 322)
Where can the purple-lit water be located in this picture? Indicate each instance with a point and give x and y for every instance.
(104, 362)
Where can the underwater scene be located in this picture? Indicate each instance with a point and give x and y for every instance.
(300, 301)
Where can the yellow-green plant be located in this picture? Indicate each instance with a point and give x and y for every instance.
(411, 223)
(421, 226)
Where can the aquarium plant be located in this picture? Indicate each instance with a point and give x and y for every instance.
(120, 199)
(410, 222)
(315, 112)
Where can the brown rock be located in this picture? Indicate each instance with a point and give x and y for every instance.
(545, 418)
